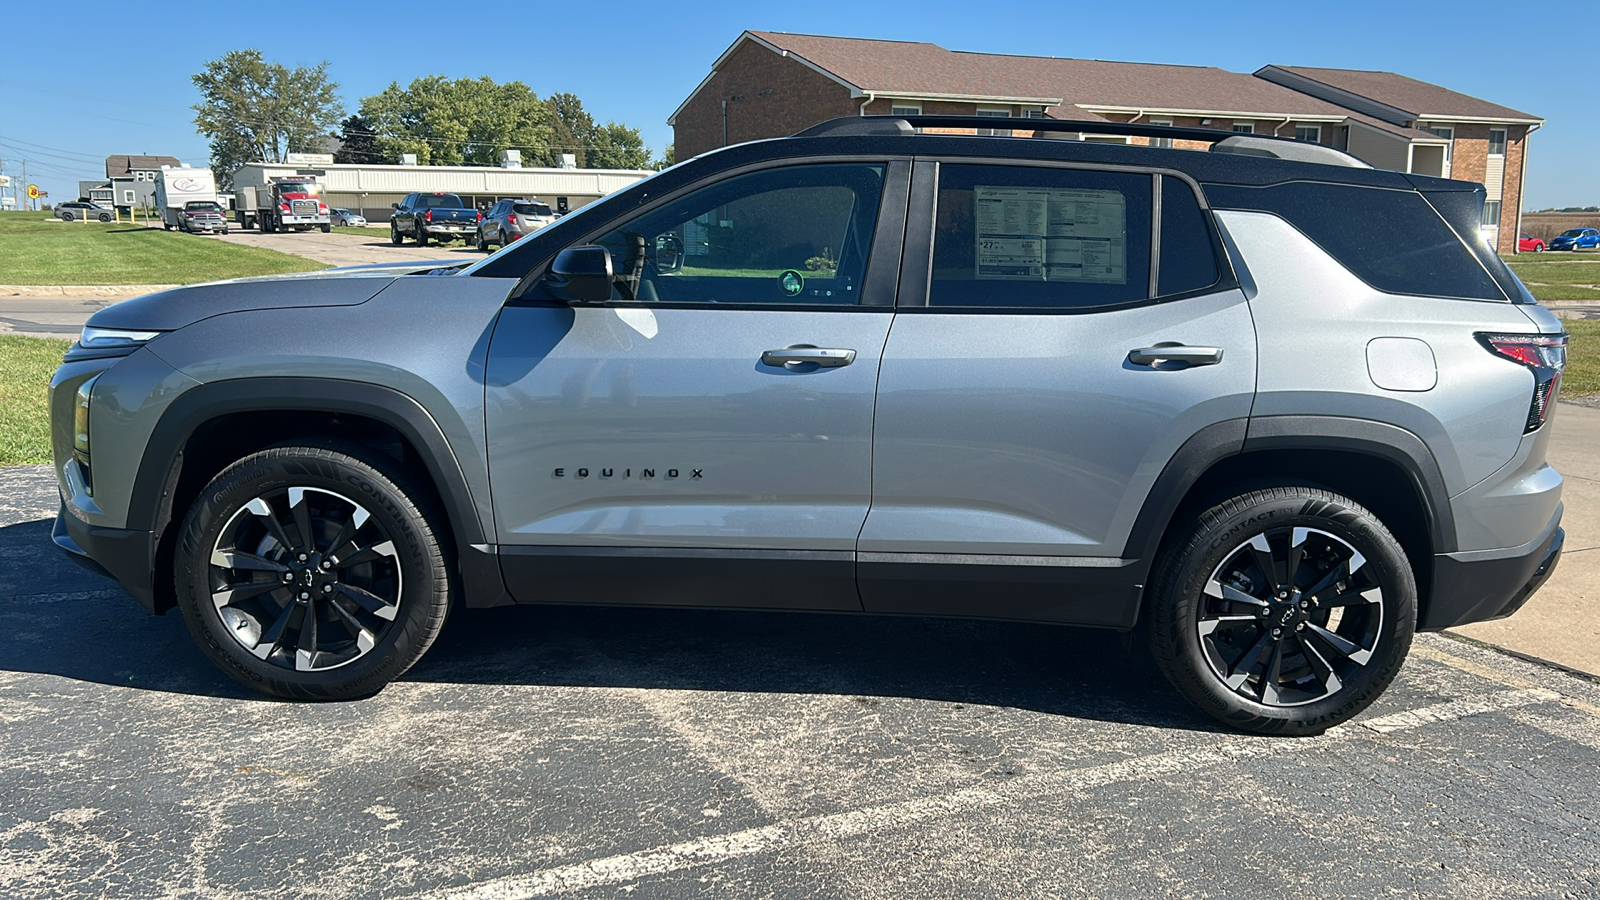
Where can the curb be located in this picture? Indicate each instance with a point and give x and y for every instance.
(79, 291)
(1518, 654)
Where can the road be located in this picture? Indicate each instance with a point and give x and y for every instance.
(597, 752)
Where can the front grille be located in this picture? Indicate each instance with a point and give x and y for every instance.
(305, 207)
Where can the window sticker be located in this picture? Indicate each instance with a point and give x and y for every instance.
(1051, 234)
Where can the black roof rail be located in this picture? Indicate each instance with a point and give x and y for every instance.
(1221, 141)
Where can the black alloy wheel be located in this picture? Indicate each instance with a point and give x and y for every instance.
(1282, 611)
(312, 572)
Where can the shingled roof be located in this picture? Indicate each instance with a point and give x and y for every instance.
(120, 165)
(1408, 96)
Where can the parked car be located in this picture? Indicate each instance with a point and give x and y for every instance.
(347, 219)
(511, 219)
(1526, 244)
(1576, 239)
(73, 210)
(203, 215)
(432, 216)
(1195, 397)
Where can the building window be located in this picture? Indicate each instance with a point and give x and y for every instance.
(1161, 141)
(1491, 214)
(1244, 128)
(1449, 134)
(1312, 133)
(1497, 142)
(992, 113)
(906, 109)
(1033, 114)
(127, 197)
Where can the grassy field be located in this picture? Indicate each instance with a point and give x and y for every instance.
(35, 249)
(1551, 276)
(1582, 377)
(25, 368)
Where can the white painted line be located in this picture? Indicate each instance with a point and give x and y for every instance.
(678, 857)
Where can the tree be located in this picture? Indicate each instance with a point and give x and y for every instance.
(358, 143)
(608, 146)
(669, 157)
(464, 121)
(615, 146)
(255, 110)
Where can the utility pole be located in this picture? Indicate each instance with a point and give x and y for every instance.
(24, 179)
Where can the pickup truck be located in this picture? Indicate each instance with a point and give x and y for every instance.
(436, 216)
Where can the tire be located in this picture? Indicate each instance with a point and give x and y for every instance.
(1538, 248)
(373, 615)
(327, 227)
(395, 237)
(483, 245)
(66, 215)
(105, 217)
(422, 238)
(1212, 616)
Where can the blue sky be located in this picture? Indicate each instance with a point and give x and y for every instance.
(80, 80)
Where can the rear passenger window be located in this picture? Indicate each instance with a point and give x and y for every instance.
(1030, 237)
(1188, 259)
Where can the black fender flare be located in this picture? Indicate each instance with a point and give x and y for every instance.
(149, 507)
(1232, 437)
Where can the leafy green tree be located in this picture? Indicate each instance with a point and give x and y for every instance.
(454, 122)
(615, 146)
(357, 143)
(669, 157)
(252, 109)
(608, 146)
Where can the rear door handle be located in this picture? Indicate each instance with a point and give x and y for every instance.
(800, 354)
(1173, 352)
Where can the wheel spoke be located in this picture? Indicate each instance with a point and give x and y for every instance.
(1338, 573)
(1297, 552)
(263, 511)
(383, 548)
(302, 518)
(1241, 669)
(1319, 667)
(1340, 645)
(1370, 595)
(233, 593)
(1207, 626)
(1269, 679)
(346, 532)
(239, 560)
(1231, 594)
(369, 601)
(273, 636)
(1261, 549)
(364, 639)
(306, 647)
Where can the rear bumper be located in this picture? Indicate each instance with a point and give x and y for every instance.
(117, 553)
(1477, 587)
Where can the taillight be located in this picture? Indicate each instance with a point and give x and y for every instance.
(480, 215)
(427, 216)
(1545, 355)
(512, 218)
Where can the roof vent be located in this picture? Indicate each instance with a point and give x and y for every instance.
(408, 159)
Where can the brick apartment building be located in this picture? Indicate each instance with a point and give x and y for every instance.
(768, 84)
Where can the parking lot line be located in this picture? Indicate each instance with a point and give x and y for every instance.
(627, 867)
(1498, 676)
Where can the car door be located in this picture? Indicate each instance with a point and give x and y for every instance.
(1026, 404)
(703, 437)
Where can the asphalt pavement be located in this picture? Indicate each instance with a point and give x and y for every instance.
(599, 752)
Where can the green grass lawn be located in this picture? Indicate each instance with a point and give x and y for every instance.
(1583, 358)
(1558, 270)
(369, 231)
(25, 368)
(37, 250)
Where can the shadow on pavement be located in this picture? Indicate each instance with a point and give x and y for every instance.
(57, 619)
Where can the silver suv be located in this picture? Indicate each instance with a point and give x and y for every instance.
(1264, 408)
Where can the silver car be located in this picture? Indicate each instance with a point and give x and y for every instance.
(510, 220)
(1204, 399)
(348, 219)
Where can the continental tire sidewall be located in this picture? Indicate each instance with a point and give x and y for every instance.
(1213, 537)
(424, 594)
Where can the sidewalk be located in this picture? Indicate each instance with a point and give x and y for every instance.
(1560, 623)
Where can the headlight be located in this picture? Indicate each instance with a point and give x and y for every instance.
(100, 338)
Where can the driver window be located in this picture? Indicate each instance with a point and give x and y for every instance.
(795, 235)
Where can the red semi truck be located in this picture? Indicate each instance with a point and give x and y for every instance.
(284, 203)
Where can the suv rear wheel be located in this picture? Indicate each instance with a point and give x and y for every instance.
(309, 572)
(1283, 611)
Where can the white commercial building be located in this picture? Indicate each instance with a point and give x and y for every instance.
(369, 189)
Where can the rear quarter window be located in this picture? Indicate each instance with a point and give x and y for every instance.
(1392, 240)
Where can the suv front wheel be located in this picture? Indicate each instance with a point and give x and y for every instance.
(1283, 611)
(309, 572)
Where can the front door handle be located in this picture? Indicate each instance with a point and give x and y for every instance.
(1177, 353)
(801, 354)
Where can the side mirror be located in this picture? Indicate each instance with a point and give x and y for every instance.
(669, 253)
(394, 206)
(580, 275)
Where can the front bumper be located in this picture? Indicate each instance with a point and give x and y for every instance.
(1477, 587)
(118, 553)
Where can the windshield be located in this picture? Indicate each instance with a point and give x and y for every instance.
(297, 187)
(439, 201)
(531, 209)
(1572, 232)
(203, 206)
